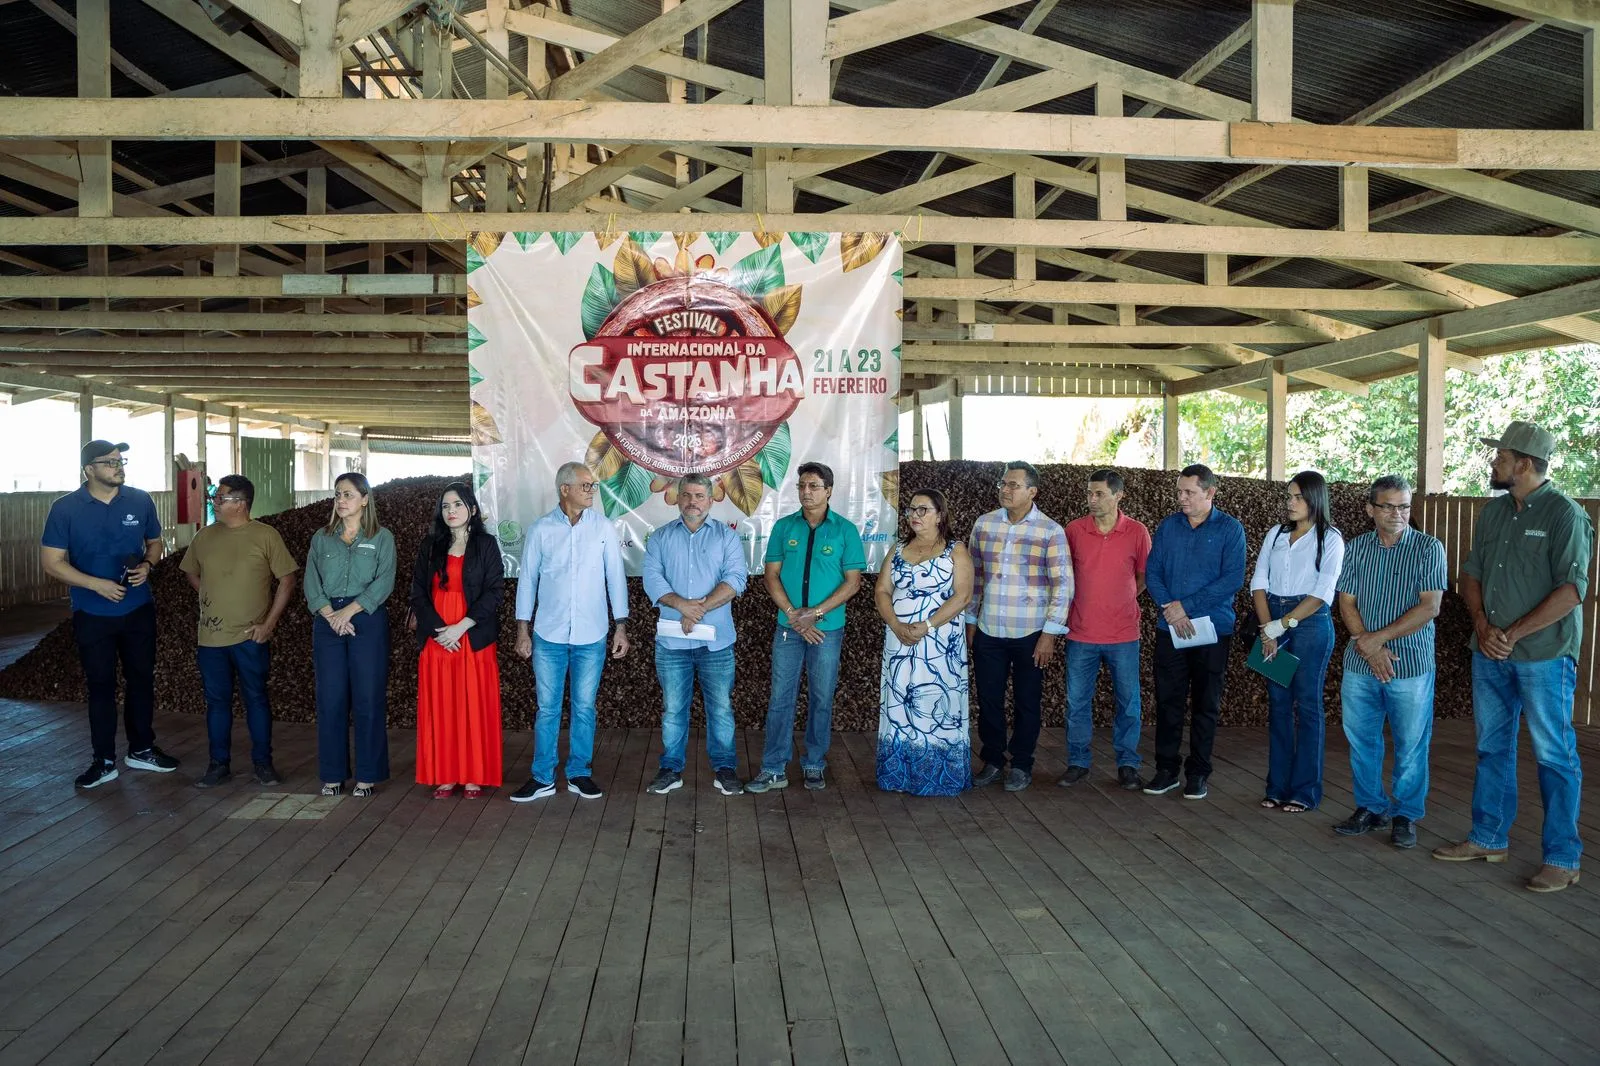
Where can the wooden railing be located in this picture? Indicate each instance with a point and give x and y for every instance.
(1452, 518)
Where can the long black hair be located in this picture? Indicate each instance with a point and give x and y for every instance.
(439, 534)
(1314, 491)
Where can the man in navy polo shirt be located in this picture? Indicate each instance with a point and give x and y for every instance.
(101, 541)
(813, 565)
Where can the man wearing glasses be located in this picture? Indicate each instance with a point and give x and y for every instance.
(1389, 594)
(101, 542)
(232, 563)
(571, 570)
(1523, 583)
(1021, 591)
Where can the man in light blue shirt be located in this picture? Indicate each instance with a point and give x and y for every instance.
(571, 570)
(692, 571)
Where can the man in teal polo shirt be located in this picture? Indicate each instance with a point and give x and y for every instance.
(814, 562)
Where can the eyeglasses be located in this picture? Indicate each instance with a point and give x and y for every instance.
(584, 486)
(227, 499)
(1003, 485)
(113, 463)
(918, 512)
(1392, 508)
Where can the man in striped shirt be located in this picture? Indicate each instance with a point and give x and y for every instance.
(1389, 593)
(1021, 590)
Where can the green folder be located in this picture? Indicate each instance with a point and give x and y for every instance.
(1279, 668)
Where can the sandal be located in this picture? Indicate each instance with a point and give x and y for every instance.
(332, 788)
(444, 792)
(472, 792)
(361, 791)
(1295, 808)
(1268, 802)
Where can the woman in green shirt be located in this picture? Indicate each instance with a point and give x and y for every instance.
(349, 575)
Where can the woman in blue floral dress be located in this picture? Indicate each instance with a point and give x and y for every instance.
(924, 742)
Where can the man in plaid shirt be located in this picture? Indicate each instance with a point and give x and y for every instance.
(1021, 589)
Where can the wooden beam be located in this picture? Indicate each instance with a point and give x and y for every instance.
(1042, 233)
(23, 343)
(1569, 14)
(357, 18)
(94, 81)
(1064, 355)
(321, 63)
(225, 204)
(225, 320)
(72, 386)
(1003, 290)
(1001, 332)
(281, 16)
(1272, 60)
(645, 40)
(899, 19)
(1277, 422)
(1111, 171)
(1591, 79)
(1431, 410)
(1353, 199)
(769, 126)
(1171, 448)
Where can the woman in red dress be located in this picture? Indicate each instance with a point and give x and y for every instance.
(456, 587)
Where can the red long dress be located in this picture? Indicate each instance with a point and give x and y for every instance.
(458, 701)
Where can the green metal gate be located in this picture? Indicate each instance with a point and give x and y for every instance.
(269, 464)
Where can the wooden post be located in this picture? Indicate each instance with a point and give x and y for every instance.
(234, 448)
(94, 80)
(966, 310)
(202, 420)
(1024, 205)
(366, 453)
(533, 184)
(437, 84)
(1111, 171)
(1272, 53)
(1430, 411)
(916, 426)
(1216, 268)
(225, 202)
(795, 33)
(1353, 199)
(1277, 422)
(316, 204)
(496, 86)
(956, 448)
(169, 432)
(1171, 445)
(1591, 79)
(321, 69)
(85, 414)
(327, 456)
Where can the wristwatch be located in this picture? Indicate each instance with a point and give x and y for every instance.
(1289, 622)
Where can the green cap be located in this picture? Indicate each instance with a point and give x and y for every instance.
(1524, 437)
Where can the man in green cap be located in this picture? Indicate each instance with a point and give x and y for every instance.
(1522, 583)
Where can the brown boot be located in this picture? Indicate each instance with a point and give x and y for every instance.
(1552, 879)
(1466, 851)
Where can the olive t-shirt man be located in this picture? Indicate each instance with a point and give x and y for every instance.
(235, 567)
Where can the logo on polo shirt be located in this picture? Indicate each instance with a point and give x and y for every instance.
(1534, 533)
(129, 520)
(827, 549)
(794, 543)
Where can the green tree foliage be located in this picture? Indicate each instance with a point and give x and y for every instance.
(1356, 438)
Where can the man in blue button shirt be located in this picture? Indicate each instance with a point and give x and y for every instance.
(571, 569)
(1195, 570)
(692, 571)
(101, 541)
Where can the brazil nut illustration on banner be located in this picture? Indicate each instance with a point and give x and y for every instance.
(648, 356)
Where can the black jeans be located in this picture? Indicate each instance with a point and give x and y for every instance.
(102, 639)
(994, 660)
(1188, 680)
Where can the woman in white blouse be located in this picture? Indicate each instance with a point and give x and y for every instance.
(1293, 587)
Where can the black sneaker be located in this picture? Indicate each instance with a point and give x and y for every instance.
(534, 789)
(217, 773)
(1128, 778)
(1194, 788)
(767, 781)
(152, 758)
(987, 776)
(266, 774)
(728, 782)
(665, 782)
(815, 780)
(1018, 779)
(1362, 821)
(1403, 832)
(98, 773)
(1073, 775)
(584, 787)
(1164, 781)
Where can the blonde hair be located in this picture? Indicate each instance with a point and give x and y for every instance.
(369, 510)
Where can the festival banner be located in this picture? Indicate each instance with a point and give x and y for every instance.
(648, 356)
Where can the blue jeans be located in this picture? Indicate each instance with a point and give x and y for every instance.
(1501, 692)
(1295, 719)
(1083, 669)
(352, 688)
(790, 652)
(677, 669)
(551, 663)
(1406, 703)
(248, 662)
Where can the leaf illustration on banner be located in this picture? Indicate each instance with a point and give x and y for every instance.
(487, 242)
(565, 239)
(685, 241)
(900, 277)
(812, 245)
(644, 238)
(896, 351)
(892, 442)
(599, 297)
(604, 239)
(633, 269)
(744, 485)
(602, 458)
(889, 482)
(484, 431)
(859, 249)
(474, 258)
(624, 491)
(774, 458)
(480, 476)
(473, 299)
(765, 239)
(475, 337)
(722, 241)
(783, 305)
(473, 377)
(528, 238)
(759, 272)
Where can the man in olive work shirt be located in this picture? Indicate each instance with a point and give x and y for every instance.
(1522, 583)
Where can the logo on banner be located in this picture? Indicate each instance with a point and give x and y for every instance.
(687, 375)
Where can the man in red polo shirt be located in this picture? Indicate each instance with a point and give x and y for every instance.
(1109, 550)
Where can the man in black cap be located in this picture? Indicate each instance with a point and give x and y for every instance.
(1522, 583)
(101, 542)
